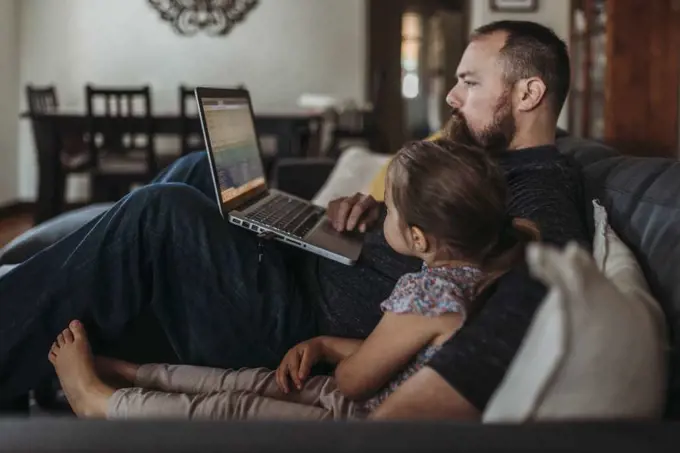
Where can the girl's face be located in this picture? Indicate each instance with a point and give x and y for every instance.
(396, 232)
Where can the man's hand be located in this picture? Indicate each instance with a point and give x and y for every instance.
(298, 363)
(348, 213)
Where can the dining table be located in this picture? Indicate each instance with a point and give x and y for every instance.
(294, 131)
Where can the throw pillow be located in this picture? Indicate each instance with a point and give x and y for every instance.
(617, 262)
(353, 172)
(597, 348)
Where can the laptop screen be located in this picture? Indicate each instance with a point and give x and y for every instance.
(234, 145)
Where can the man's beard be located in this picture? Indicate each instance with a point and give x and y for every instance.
(494, 138)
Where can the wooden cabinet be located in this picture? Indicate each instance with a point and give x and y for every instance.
(626, 72)
(643, 75)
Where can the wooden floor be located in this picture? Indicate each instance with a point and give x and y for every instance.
(12, 227)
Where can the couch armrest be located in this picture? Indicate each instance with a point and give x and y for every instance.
(43, 434)
(303, 177)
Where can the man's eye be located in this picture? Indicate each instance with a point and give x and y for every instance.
(469, 83)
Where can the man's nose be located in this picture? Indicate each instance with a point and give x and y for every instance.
(453, 100)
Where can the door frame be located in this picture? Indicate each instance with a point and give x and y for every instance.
(383, 60)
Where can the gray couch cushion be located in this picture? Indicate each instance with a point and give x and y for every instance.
(642, 196)
(585, 151)
(46, 234)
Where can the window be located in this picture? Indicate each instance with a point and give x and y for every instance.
(411, 44)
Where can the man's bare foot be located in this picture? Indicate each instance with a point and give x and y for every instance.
(72, 359)
(117, 372)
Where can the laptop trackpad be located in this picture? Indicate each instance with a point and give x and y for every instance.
(327, 237)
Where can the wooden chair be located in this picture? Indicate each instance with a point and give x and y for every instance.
(42, 100)
(53, 170)
(121, 140)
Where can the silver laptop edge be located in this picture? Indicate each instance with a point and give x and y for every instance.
(322, 239)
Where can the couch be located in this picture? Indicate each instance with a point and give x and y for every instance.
(642, 196)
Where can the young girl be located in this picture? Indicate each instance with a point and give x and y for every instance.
(445, 205)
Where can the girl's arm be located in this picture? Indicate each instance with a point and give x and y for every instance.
(390, 347)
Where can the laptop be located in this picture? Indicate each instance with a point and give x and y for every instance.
(243, 195)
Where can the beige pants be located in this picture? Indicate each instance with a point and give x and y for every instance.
(181, 391)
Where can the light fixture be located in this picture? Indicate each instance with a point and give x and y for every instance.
(215, 17)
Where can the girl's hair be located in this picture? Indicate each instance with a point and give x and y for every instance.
(457, 194)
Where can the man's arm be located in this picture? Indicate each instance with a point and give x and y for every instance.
(426, 396)
(395, 341)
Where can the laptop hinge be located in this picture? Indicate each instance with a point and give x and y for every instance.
(254, 200)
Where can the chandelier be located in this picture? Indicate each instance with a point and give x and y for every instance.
(215, 17)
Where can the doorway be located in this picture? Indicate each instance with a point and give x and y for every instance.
(414, 47)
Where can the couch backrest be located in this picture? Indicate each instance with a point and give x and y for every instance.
(642, 196)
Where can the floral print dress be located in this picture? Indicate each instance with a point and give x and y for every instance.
(433, 291)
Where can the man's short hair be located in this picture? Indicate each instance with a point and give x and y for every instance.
(533, 50)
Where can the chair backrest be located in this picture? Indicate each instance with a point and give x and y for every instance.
(120, 120)
(119, 102)
(42, 100)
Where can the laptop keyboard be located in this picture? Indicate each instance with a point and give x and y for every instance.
(287, 215)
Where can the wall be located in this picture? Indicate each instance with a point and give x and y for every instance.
(9, 73)
(284, 48)
(552, 13)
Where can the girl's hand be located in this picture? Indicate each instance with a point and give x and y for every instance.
(297, 364)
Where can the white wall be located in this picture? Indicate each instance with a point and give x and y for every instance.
(9, 73)
(552, 13)
(282, 49)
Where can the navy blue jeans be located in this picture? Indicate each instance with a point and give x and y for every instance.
(164, 248)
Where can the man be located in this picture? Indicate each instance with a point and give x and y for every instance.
(224, 298)
(512, 83)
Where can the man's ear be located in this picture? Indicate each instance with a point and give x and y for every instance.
(530, 93)
(419, 240)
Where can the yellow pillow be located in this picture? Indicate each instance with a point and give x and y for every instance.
(378, 184)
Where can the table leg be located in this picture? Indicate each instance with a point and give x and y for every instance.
(51, 180)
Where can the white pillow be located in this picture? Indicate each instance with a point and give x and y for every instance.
(597, 348)
(354, 172)
(619, 264)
